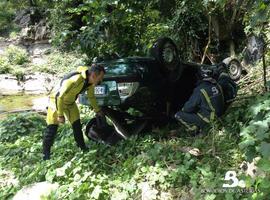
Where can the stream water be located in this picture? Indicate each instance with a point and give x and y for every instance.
(22, 102)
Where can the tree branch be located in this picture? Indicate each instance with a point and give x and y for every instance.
(209, 39)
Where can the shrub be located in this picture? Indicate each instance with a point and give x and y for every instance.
(18, 72)
(4, 65)
(14, 126)
(60, 63)
(16, 55)
(6, 16)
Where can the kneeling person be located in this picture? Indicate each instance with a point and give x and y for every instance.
(62, 104)
(205, 103)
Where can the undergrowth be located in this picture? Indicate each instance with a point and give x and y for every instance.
(151, 164)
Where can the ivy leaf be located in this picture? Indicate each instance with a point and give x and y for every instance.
(50, 175)
(264, 149)
(96, 192)
(264, 164)
(262, 130)
(210, 197)
(249, 141)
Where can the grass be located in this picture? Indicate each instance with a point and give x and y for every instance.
(152, 164)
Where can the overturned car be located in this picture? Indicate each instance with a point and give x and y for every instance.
(139, 92)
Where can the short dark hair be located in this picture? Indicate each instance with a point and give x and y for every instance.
(97, 68)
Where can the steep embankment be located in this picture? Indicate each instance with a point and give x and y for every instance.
(152, 166)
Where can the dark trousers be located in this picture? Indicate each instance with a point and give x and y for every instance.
(50, 134)
(191, 121)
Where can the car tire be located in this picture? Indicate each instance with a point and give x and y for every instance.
(91, 123)
(166, 53)
(234, 68)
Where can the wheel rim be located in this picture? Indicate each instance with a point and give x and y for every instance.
(234, 69)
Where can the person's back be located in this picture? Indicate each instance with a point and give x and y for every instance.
(205, 103)
(229, 87)
(213, 99)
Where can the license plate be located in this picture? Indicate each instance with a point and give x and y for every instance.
(100, 90)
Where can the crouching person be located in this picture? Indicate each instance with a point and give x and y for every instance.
(228, 86)
(205, 103)
(62, 104)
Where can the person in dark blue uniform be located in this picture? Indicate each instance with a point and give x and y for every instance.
(205, 103)
(228, 86)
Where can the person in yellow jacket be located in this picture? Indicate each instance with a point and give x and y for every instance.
(62, 104)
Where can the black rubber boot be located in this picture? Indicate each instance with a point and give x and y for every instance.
(48, 140)
(78, 134)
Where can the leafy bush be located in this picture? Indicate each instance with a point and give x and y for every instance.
(6, 16)
(95, 26)
(143, 165)
(16, 55)
(18, 125)
(4, 65)
(60, 63)
(19, 72)
(256, 133)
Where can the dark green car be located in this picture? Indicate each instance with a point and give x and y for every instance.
(138, 91)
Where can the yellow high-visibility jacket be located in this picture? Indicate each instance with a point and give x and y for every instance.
(70, 87)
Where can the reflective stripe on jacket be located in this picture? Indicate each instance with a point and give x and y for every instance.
(207, 101)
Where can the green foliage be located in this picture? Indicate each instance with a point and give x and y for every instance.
(188, 25)
(6, 16)
(14, 61)
(150, 164)
(103, 27)
(16, 55)
(60, 63)
(145, 165)
(4, 65)
(16, 126)
(256, 132)
(251, 120)
(257, 17)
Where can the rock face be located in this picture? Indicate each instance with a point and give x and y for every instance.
(34, 38)
(34, 26)
(37, 83)
(34, 35)
(36, 191)
(9, 85)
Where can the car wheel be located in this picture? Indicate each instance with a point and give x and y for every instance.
(234, 68)
(166, 53)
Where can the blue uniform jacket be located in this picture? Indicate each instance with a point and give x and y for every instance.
(207, 100)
